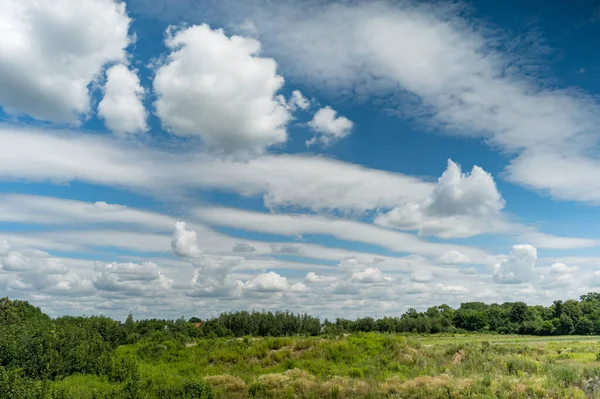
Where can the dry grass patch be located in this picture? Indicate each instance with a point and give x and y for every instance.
(226, 384)
(458, 357)
(426, 385)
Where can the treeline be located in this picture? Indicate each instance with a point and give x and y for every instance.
(561, 318)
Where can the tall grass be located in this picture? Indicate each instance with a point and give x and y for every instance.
(365, 365)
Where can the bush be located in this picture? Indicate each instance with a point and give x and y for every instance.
(356, 372)
(516, 364)
(15, 385)
(258, 390)
(565, 376)
(188, 389)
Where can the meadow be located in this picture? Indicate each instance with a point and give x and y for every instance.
(358, 365)
(509, 350)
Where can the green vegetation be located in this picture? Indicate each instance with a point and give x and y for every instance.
(297, 356)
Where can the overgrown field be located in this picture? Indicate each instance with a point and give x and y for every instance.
(362, 365)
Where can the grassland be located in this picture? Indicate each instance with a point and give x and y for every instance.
(366, 365)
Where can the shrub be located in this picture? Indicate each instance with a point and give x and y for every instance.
(564, 376)
(516, 364)
(355, 372)
(258, 390)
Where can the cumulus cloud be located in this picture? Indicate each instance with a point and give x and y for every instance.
(460, 205)
(369, 276)
(453, 258)
(561, 268)
(205, 285)
(34, 270)
(14, 259)
(185, 242)
(220, 89)
(217, 267)
(52, 51)
(66, 283)
(272, 282)
(131, 278)
(312, 277)
(518, 266)
(212, 277)
(330, 126)
(121, 107)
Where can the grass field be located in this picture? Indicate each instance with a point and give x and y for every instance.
(371, 366)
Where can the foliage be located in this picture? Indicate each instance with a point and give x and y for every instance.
(287, 355)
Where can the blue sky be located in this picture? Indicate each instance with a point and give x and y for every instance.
(341, 159)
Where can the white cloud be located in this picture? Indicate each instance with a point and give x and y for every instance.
(331, 127)
(204, 285)
(4, 246)
(343, 288)
(219, 88)
(297, 100)
(185, 242)
(453, 258)
(369, 276)
(299, 287)
(21, 208)
(314, 278)
(561, 268)
(66, 283)
(415, 288)
(14, 259)
(283, 180)
(143, 279)
(460, 205)
(34, 270)
(458, 193)
(211, 276)
(52, 50)
(98, 238)
(121, 107)
(345, 229)
(542, 240)
(451, 289)
(421, 276)
(272, 282)
(451, 72)
(217, 267)
(468, 270)
(518, 266)
(596, 278)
